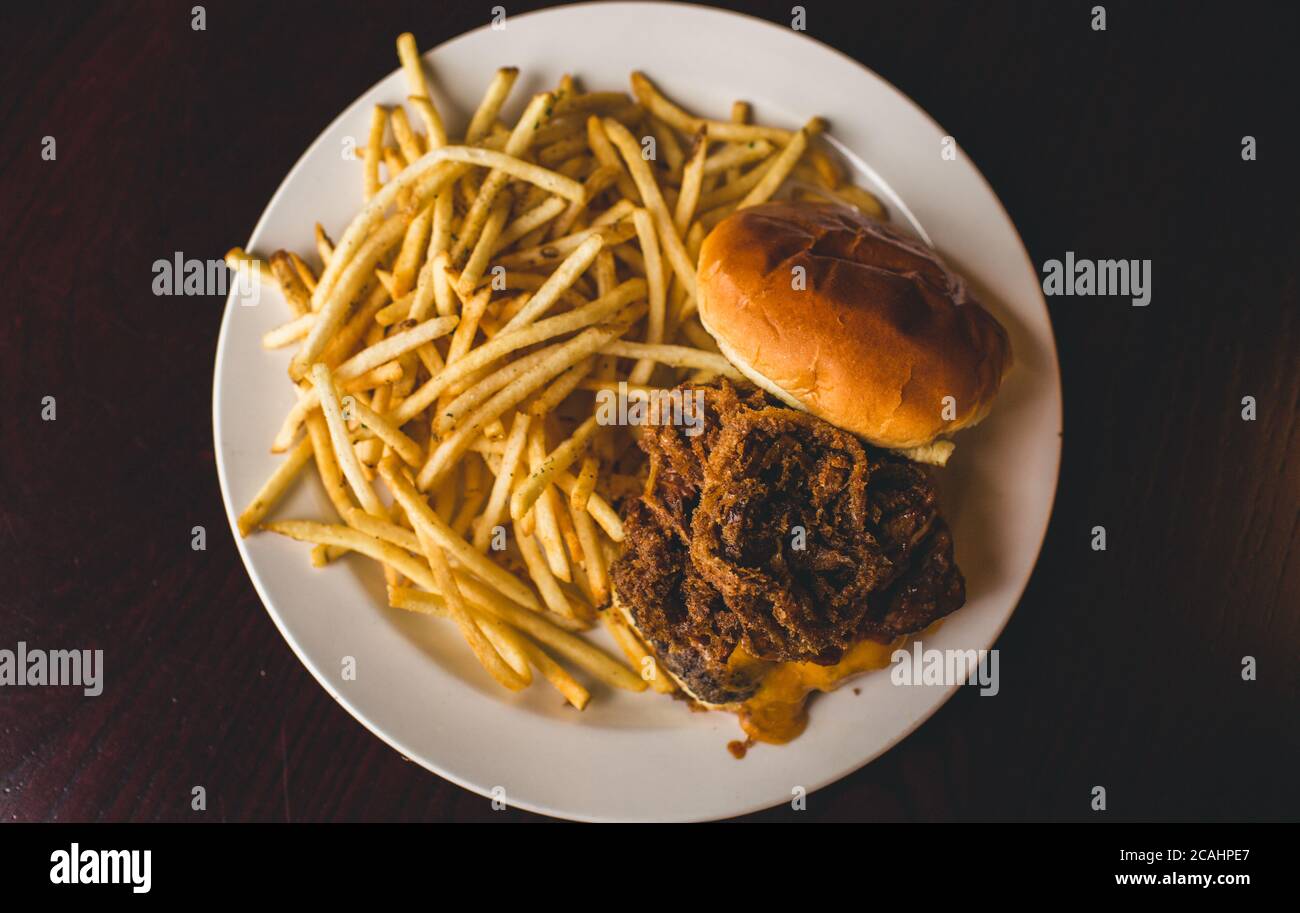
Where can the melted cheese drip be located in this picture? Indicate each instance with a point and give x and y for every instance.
(778, 711)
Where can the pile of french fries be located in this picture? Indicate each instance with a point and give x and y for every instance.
(451, 345)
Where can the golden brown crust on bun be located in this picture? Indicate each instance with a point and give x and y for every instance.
(872, 336)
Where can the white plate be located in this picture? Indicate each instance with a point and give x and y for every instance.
(640, 756)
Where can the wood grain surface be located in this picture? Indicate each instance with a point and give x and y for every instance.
(1121, 668)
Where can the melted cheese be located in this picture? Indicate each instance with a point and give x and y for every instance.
(778, 711)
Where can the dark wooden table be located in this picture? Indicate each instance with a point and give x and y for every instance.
(1121, 668)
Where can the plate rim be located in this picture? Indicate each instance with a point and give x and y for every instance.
(394, 742)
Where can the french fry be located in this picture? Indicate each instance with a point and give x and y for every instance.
(288, 333)
(357, 327)
(324, 246)
(506, 342)
(593, 561)
(274, 488)
(486, 113)
(390, 434)
(556, 154)
(322, 555)
(383, 529)
(540, 571)
(521, 138)
(239, 259)
(596, 183)
(477, 592)
(586, 483)
(573, 266)
(664, 109)
(734, 189)
(407, 140)
(509, 644)
(633, 391)
(531, 220)
(333, 313)
(505, 481)
(419, 89)
(394, 164)
(558, 460)
(437, 132)
(780, 170)
(484, 649)
(737, 155)
(354, 540)
(474, 497)
(559, 358)
(687, 305)
(374, 150)
(740, 114)
(407, 338)
(654, 333)
(396, 312)
(826, 168)
(343, 452)
(676, 356)
(554, 673)
(584, 102)
(674, 157)
(621, 210)
(856, 196)
(485, 246)
(409, 566)
(578, 651)
(388, 373)
(308, 401)
(549, 400)
(305, 273)
(438, 168)
(543, 516)
(411, 252)
(654, 201)
(470, 315)
(569, 533)
(637, 655)
(385, 279)
(480, 386)
(604, 515)
(327, 466)
(606, 273)
(698, 336)
(547, 254)
(421, 515)
(295, 290)
(692, 183)
(607, 155)
(361, 364)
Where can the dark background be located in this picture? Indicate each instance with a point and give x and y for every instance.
(1120, 668)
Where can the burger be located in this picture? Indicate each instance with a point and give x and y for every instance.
(793, 538)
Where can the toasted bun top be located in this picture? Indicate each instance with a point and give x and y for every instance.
(873, 335)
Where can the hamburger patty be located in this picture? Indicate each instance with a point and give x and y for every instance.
(776, 532)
